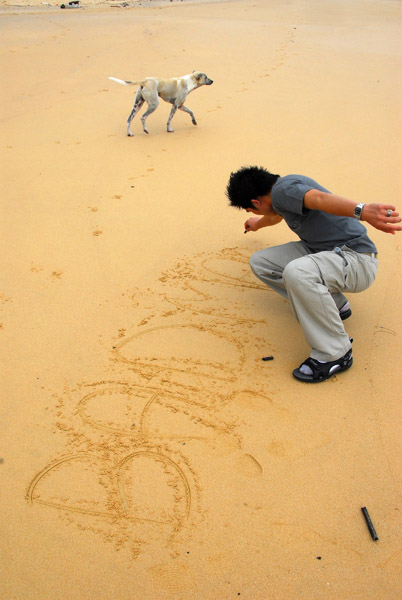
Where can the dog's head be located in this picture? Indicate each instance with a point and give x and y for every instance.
(201, 78)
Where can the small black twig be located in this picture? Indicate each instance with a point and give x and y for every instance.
(369, 524)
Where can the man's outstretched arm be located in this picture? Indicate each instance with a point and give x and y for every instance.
(381, 216)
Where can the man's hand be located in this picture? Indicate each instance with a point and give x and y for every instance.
(382, 216)
(251, 224)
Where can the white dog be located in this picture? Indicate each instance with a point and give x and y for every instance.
(173, 90)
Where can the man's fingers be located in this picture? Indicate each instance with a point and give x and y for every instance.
(389, 228)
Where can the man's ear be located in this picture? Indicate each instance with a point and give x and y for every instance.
(256, 203)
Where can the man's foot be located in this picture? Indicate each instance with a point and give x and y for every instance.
(345, 311)
(314, 371)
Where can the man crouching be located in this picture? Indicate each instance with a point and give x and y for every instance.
(334, 255)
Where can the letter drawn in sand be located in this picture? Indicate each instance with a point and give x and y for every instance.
(164, 498)
(116, 408)
(86, 484)
(75, 483)
(186, 348)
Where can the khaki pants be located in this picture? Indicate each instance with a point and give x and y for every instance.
(314, 285)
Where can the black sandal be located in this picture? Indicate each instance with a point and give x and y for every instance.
(345, 314)
(323, 371)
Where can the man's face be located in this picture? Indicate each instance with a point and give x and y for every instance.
(259, 205)
(255, 211)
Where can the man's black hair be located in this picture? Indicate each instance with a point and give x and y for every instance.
(249, 183)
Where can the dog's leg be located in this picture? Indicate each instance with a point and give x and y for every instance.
(190, 112)
(172, 113)
(151, 108)
(150, 95)
(138, 102)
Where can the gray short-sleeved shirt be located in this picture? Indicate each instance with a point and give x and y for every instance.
(318, 230)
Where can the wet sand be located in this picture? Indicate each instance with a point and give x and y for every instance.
(147, 451)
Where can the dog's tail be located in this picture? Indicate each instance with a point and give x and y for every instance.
(123, 82)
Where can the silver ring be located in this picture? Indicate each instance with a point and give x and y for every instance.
(389, 213)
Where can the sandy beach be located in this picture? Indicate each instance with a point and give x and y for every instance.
(147, 452)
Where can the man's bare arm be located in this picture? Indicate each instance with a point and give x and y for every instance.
(381, 216)
(255, 223)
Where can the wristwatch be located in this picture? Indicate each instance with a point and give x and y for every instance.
(358, 211)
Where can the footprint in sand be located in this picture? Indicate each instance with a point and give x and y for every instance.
(283, 447)
(36, 268)
(173, 578)
(248, 466)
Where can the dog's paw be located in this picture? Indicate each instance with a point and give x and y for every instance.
(130, 134)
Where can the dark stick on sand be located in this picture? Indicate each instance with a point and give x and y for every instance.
(369, 524)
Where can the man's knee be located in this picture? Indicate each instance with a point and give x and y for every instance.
(256, 264)
(299, 271)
